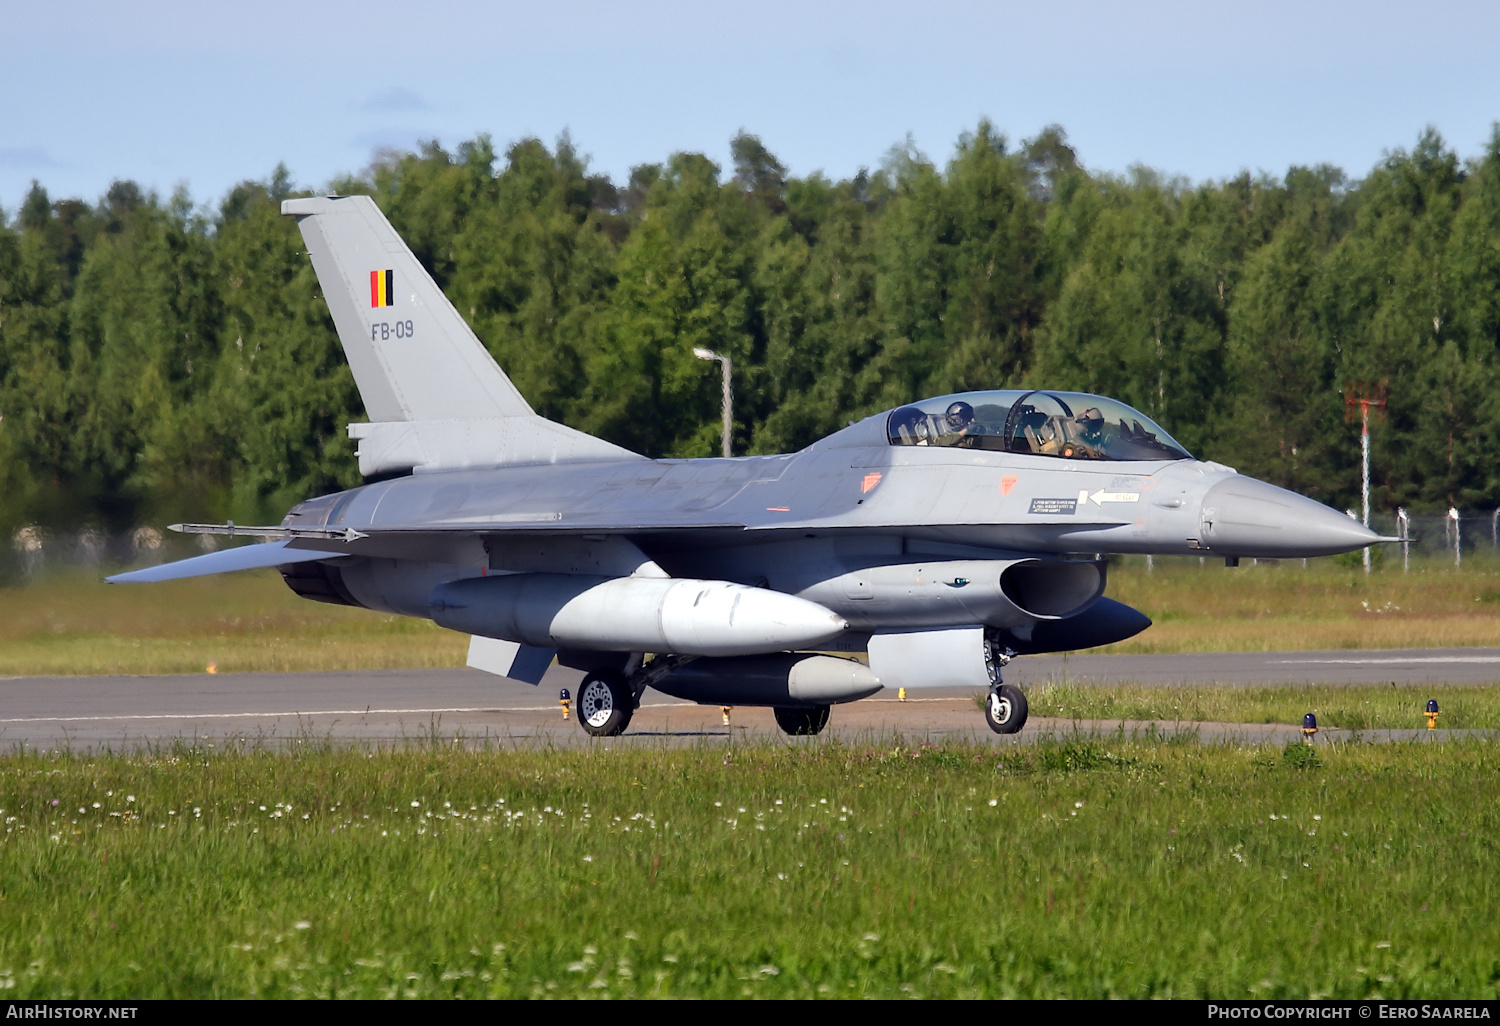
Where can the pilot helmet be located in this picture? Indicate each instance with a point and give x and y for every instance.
(960, 415)
(1091, 420)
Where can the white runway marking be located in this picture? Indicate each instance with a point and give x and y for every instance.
(303, 712)
(249, 715)
(1398, 661)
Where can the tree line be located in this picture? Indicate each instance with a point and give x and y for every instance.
(161, 360)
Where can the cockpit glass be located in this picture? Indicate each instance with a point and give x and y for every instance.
(1067, 425)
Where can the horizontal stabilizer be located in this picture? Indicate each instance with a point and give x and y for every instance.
(246, 557)
(525, 663)
(401, 447)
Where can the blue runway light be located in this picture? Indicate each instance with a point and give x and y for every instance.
(1432, 713)
(1309, 727)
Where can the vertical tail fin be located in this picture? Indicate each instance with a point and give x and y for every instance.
(435, 397)
(412, 355)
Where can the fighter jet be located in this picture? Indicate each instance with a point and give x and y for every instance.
(938, 540)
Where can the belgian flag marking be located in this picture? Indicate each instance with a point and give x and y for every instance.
(382, 286)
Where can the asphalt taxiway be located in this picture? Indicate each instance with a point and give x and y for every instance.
(399, 706)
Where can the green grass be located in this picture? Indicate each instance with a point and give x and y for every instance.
(1351, 706)
(242, 623)
(1326, 605)
(1086, 868)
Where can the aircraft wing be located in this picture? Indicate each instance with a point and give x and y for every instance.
(246, 557)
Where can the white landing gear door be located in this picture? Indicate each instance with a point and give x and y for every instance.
(945, 657)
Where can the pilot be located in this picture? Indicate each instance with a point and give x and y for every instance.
(1085, 436)
(907, 426)
(1091, 426)
(958, 424)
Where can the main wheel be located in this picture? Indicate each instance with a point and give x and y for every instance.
(605, 703)
(802, 721)
(1005, 709)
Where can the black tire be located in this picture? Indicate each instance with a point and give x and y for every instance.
(802, 721)
(605, 703)
(1005, 709)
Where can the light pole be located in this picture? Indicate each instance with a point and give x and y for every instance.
(1364, 396)
(1403, 528)
(724, 362)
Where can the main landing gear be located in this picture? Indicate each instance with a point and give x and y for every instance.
(606, 703)
(802, 721)
(607, 699)
(1005, 707)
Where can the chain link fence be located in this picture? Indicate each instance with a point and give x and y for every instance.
(1453, 535)
(34, 551)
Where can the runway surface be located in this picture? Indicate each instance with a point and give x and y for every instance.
(394, 706)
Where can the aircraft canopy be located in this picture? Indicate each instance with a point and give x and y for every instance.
(1067, 425)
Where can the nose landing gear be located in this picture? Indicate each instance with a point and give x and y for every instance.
(1005, 707)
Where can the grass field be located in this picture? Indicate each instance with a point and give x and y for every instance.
(247, 622)
(72, 624)
(1085, 868)
(1211, 608)
(1349, 706)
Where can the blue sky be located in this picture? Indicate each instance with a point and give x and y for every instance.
(202, 95)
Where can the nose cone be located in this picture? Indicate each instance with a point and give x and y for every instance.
(1245, 517)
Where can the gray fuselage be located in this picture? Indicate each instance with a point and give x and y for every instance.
(876, 532)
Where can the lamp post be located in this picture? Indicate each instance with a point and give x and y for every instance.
(724, 362)
(1364, 396)
(1403, 528)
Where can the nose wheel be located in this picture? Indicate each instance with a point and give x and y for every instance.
(1005, 706)
(1005, 709)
